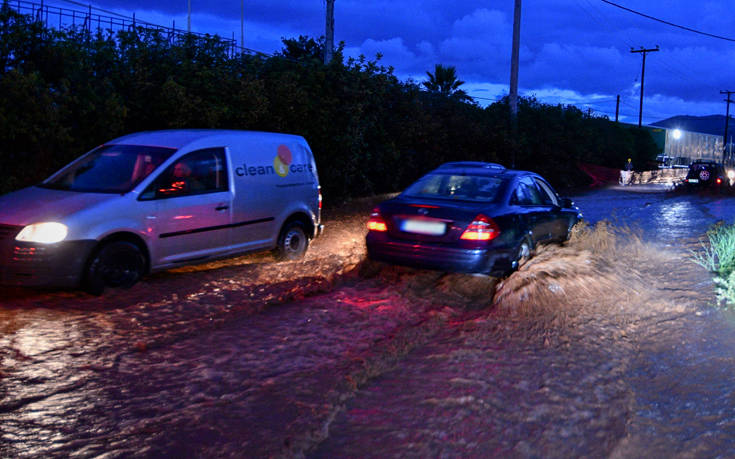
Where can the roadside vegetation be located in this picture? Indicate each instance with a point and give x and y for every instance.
(62, 92)
(718, 256)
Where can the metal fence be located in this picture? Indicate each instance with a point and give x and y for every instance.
(90, 21)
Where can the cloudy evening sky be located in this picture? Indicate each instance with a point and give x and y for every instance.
(572, 51)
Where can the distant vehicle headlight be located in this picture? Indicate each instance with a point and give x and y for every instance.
(731, 174)
(46, 233)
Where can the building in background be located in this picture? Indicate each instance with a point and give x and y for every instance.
(681, 148)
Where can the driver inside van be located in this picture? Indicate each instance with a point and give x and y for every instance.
(182, 180)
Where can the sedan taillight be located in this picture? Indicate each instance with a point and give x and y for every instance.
(376, 222)
(482, 228)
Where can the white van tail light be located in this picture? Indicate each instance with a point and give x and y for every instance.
(45, 233)
(482, 228)
(376, 222)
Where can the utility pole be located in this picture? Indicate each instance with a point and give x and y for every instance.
(643, 75)
(242, 23)
(188, 16)
(727, 123)
(513, 95)
(329, 45)
(617, 108)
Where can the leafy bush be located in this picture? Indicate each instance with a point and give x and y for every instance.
(725, 287)
(62, 92)
(718, 256)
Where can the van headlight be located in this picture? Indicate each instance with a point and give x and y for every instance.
(45, 233)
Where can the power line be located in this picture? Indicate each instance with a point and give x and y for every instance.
(487, 98)
(601, 20)
(676, 68)
(626, 39)
(689, 29)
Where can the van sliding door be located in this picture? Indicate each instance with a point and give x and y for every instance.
(192, 219)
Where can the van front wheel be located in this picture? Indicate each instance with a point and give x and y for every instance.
(292, 242)
(114, 264)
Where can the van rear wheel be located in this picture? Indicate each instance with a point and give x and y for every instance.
(292, 242)
(114, 264)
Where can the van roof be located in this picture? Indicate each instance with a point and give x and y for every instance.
(178, 138)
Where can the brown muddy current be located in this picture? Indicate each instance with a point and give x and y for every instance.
(607, 346)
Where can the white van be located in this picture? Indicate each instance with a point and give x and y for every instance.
(157, 200)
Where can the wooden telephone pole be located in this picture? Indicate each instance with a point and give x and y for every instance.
(727, 123)
(514, 56)
(643, 75)
(513, 94)
(329, 45)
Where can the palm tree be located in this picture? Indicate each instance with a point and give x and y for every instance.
(445, 82)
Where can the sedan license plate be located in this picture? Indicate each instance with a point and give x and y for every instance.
(424, 227)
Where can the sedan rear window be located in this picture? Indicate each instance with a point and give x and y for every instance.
(456, 187)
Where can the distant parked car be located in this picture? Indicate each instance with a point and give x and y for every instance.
(706, 175)
(470, 217)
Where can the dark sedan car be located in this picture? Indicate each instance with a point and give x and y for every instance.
(470, 217)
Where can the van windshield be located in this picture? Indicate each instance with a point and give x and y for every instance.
(109, 169)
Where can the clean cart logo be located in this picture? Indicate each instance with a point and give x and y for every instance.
(282, 166)
(282, 160)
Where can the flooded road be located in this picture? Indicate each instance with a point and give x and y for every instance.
(663, 217)
(606, 346)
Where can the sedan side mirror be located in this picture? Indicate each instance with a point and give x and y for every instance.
(567, 203)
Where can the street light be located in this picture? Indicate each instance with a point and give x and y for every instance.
(676, 134)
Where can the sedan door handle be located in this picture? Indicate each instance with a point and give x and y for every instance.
(218, 208)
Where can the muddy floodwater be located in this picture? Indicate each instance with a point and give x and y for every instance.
(607, 346)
